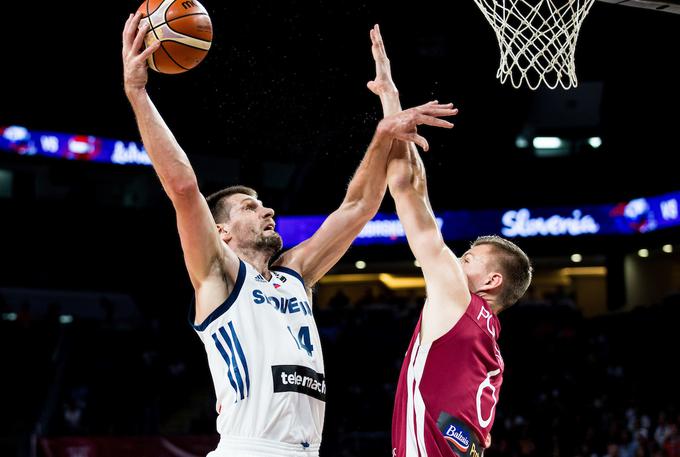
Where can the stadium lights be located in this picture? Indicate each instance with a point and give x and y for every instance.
(65, 319)
(9, 316)
(643, 253)
(360, 264)
(667, 248)
(595, 142)
(416, 263)
(401, 282)
(547, 142)
(576, 258)
(521, 142)
(391, 281)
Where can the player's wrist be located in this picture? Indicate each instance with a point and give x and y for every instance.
(389, 92)
(135, 90)
(390, 99)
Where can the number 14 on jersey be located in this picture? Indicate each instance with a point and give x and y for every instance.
(303, 341)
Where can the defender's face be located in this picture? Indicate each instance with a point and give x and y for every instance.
(477, 263)
(251, 224)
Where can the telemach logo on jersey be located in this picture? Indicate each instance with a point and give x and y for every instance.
(295, 378)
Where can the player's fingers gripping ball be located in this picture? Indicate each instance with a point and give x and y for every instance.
(184, 30)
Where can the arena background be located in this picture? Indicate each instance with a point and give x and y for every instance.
(97, 355)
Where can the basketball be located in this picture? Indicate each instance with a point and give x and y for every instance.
(184, 30)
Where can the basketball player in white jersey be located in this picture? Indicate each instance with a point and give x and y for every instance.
(255, 320)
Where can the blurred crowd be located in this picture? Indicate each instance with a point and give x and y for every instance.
(576, 387)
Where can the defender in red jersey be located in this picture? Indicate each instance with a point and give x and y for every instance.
(450, 380)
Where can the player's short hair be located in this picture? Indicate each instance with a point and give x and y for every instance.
(514, 265)
(217, 202)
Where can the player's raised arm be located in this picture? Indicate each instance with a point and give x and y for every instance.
(204, 251)
(315, 256)
(408, 186)
(448, 293)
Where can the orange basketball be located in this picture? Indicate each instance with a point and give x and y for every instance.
(184, 29)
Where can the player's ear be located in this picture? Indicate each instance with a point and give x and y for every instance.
(223, 230)
(493, 281)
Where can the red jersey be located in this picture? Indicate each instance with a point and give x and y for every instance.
(448, 390)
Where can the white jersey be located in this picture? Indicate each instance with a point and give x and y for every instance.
(267, 368)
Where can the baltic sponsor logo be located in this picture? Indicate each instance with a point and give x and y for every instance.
(282, 304)
(461, 439)
(458, 438)
(295, 378)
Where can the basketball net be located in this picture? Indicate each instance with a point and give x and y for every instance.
(537, 40)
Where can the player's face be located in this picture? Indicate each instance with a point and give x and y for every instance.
(477, 263)
(252, 225)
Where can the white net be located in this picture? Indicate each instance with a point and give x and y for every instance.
(537, 39)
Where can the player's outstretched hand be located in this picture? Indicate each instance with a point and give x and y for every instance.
(135, 72)
(403, 125)
(382, 84)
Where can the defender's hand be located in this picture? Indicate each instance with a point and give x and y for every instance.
(382, 84)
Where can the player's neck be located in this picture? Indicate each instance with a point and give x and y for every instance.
(258, 259)
(492, 301)
(495, 307)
